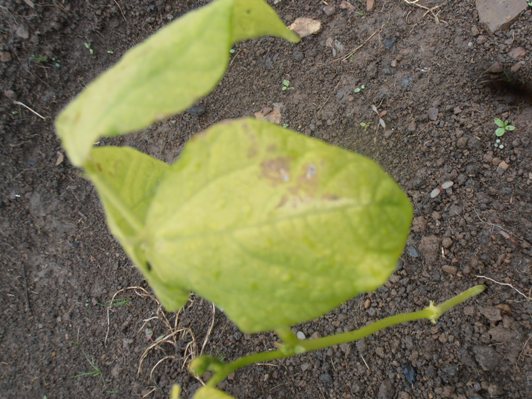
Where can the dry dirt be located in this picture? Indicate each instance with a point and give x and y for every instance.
(60, 267)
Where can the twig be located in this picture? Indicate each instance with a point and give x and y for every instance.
(428, 10)
(507, 285)
(209, 331)
(364, 360)
(29, 109)
(352, 52)
(121, 11)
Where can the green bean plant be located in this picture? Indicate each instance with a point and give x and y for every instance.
(273, 227)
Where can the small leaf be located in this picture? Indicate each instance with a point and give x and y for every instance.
(499, 122)
(164, 75)
(500, 132)
(274, 227)
(510, 128)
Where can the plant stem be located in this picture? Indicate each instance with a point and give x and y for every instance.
(431, 312)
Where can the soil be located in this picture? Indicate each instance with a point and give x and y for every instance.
(60, 267)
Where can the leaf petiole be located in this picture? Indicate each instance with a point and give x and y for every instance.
(431, 312)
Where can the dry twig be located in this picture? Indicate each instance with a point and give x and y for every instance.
(507, 285)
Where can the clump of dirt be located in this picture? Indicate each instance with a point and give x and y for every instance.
(426, 75)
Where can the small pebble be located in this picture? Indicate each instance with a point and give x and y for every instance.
(434, 193)
(446, 242)
(432, 113)
(517, 53)
(329, 10)
(449, 269)
(300, 335)
(5, 56)
(447, 185)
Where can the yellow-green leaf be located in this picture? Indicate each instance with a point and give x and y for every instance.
(164, 75)
(211, 393)
(274, 227)
(126, 180)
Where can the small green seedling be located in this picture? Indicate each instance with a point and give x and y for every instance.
(503, 127)
(88, 46)
(265, 226)
(359, 89)
(94, 370)
(365, 125)
(286, 85)
(39, 59)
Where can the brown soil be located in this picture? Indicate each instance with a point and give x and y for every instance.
(60, 266)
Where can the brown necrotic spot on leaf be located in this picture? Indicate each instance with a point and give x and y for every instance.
(276, 170)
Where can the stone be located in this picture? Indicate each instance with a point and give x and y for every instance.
(22, 32)
(447, 242)
(486, 357)
(429, 247)
(419, 224)
(432, 113)
(517, 53)
(329, 10)
(491, 313)
(5, 56)
(386, 390)
(449, 269)
(497, 14)
(496, 67)
(461, 142)
(502, 166)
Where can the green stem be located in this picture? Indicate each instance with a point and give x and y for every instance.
(431, 312)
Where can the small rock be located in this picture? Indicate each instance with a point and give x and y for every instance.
(412, 251)
(325, 378)
(491, 313)
(300, 335)
(412, 127)
(474, 31)
(496, 67)
(370, 4)
(449, 269)
(429, 247)
(457, 110)
(517, 66)
(393, 64)
(461, 142)
(329, 10)
(447, 184)
(502, 167)
(196, 110)
(434, 193)
(455, 210)
(5, 56)
(517, 53)
(410, 373)
(345, 5)
(386, 390)
(9, 94)
(486, 357)
(367, 303)
(403, 395)
(379, 351)
(446, 242)
(496, 14)
(305, 26)
(419, 224)
(469, 310)
(432, 113)
(22, 32)
(389, 42)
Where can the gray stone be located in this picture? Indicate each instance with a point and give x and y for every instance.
(386, 390)
(486, 357)
(491, 313)
(429, 247)
(497, 14)
(432, 113)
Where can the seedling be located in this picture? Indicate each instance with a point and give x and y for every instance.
(88, 46)
(94, 370)
(359, 89)
(365, 125)
(380, 115)
(264, 223)
(39, 59)
(503, 127)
